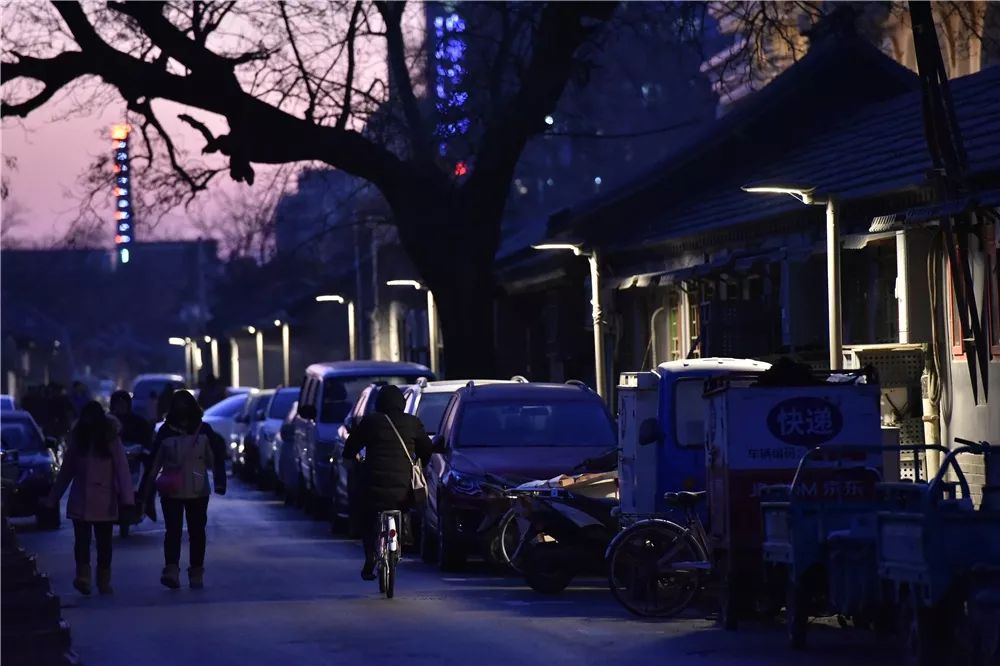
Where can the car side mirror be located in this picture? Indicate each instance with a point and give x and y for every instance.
(438, 445)
(649, 432)
(307, 412)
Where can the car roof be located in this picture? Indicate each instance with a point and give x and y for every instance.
(709, 364)
(158, 377)
(17, 415)
(452, 385)
(528, 391)
(365, 368)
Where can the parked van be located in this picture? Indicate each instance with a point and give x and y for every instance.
(329, 391)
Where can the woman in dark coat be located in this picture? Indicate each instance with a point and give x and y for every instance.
(386, 474)
(185, 449)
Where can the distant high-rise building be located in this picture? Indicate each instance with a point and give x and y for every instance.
(124, 214)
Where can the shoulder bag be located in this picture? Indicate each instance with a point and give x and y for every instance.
(417, 482)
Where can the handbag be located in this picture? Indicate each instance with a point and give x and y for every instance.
(169, 481)
(417, 482)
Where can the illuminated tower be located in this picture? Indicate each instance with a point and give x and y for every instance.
(124, 215)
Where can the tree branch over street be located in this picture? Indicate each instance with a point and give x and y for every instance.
(300, 82)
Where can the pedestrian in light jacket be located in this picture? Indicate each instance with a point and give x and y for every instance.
(96, 466)
(184, 451)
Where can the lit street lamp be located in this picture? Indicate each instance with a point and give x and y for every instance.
(351, 330)
(286, 349)
(806, 196)
(189, 372)
(595, 306)
(260, 354)
(432, 322)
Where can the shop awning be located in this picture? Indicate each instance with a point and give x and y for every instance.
(922, 215)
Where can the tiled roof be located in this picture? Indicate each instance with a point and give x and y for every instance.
(878, 150)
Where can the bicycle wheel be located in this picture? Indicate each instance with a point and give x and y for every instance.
(640, 574)
(509, 538)
(390, 577)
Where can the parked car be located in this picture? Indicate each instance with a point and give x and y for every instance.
(38, 459)
(146, 386)
(286, 459)
(243, 441)
(329, 391)
(494, 437)
(222, 415)
(267, 435)
(427, 400)
(243, 445)
(7, 403)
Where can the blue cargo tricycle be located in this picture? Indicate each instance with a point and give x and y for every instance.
(939, 562)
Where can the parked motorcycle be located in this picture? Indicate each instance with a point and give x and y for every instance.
(562, 528)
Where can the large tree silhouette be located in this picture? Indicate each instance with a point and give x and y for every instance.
(293, 82)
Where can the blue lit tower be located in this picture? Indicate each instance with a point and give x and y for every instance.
(124, 215)
(449, 71)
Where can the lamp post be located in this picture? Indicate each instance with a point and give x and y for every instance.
(352, 335)
(595, 307)
(432, 322)
(806, 196)
(188, 357)
(213, 346)
(260, 354)
(234, 362)
(286, 350)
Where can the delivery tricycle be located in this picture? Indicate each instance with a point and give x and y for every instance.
(939, 562)
(753, 426)
(819, 537)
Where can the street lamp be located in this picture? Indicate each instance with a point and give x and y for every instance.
(807, 196)
(188, 356)
(352, 335)
(432, 322)
(260, 354)
(595, 306)
(285, 349)
(234, 362)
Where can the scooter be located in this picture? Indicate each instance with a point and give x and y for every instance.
(560, 533)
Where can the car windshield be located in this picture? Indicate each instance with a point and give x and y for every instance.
(227, 408)
(555, 423)
(340, 393)
(19, 436)
(282, 404)
(430, 410)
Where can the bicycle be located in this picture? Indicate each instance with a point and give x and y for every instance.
(656, 568)
(387, 551)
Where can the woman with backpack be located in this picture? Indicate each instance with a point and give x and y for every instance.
(96, 465)
(184, 451)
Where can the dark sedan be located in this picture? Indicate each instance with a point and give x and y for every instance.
(497, 436)
(37, 460)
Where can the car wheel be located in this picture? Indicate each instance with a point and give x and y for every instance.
(546, 569)
(451, 555)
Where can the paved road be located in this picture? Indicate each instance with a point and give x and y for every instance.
(280, 590)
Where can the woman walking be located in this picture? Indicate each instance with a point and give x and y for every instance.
(98, 469)
(184, 450)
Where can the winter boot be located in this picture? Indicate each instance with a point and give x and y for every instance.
(104, 581)
(82, 580)
(171, 576)
(196, 575)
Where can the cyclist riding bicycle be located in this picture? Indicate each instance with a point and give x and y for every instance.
(385, 476)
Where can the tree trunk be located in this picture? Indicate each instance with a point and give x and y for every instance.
(454, 249)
